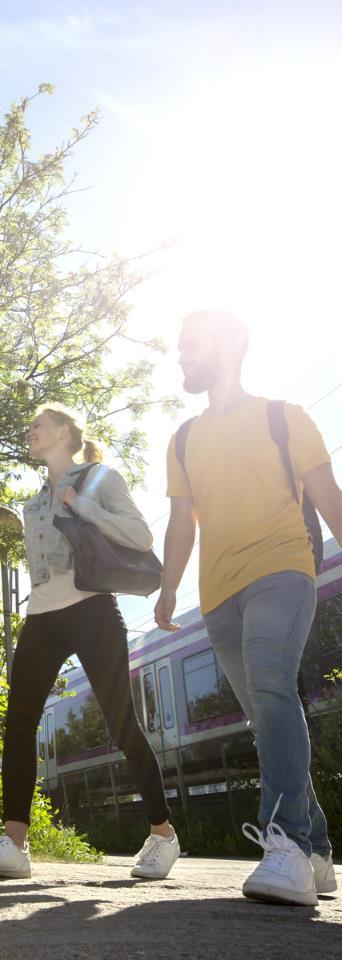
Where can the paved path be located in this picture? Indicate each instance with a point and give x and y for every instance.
(96, 912)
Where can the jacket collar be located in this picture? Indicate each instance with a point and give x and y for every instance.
(74, 472)
(76, 469)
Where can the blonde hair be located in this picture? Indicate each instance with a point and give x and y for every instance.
(91, 450)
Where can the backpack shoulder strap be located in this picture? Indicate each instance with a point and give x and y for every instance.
(181, 439)
(280, 435)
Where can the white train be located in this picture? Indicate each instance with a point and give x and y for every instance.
(187, 708)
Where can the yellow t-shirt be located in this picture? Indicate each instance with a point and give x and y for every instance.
(250, 524)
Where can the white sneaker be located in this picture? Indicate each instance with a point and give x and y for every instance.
(156, 857)
(324, 873)
(15, 864)
(285, 874)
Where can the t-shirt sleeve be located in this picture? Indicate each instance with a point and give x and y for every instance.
(306, 445)
(177, 481)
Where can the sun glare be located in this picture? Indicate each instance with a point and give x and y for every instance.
(252, 164)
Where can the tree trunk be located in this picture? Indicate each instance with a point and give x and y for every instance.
(7, 619)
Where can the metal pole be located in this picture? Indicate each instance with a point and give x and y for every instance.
(7, 620)
(114, 792)
(181, 784)
(90, 808)
(66, 801)
(223, 747)
(16, 590)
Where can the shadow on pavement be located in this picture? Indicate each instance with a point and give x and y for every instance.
(94, 884)
(170, 929)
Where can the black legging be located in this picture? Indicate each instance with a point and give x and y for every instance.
(95, 631)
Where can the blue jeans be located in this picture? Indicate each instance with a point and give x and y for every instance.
(259, 636)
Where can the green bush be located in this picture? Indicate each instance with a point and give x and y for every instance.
(53, 841)
(202, 834)
(126, 838)
(326, 768)
(50, 841)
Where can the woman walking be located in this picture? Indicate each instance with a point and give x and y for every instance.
(61, 621)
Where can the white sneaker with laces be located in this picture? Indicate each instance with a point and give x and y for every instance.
(15, 864)
(324, 872)
(285, 874)
(156, 857)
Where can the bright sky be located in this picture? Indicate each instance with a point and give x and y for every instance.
(221, 131)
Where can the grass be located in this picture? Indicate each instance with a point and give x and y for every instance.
(52, 841)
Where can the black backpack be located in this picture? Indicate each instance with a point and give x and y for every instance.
(280, 435)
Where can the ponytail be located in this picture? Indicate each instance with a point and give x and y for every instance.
(92, 452)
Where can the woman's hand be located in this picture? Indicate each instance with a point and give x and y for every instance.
(67, 496)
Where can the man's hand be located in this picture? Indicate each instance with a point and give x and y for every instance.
(164, 609)
(67, 496)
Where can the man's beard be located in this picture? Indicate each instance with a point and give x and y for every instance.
(203, 378)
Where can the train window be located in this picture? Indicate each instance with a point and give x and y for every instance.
(50, 737)
(95, 731)
(201, 686)
(166, 697)
(150, 700)
(136, 690)
(229, 701)
(41, 741)
(70, 731)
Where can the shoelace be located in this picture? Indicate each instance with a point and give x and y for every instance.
(151, 849)
(6, 841)
(275, 841)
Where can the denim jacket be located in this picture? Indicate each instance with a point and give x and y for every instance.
(104, 499)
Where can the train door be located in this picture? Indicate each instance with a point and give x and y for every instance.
(159, 704)
(41, 749)
(50, 747)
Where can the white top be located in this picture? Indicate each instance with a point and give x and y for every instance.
(56, 593)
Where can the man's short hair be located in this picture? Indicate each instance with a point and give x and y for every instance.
(222, 325)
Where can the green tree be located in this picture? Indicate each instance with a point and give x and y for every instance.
(60, 309)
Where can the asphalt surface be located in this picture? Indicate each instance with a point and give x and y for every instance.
(97, 912)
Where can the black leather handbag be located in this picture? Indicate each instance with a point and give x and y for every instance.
(102, 565)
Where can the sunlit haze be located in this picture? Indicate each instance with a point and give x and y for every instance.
(221, 135)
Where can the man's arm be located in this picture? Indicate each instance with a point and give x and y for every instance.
(179, 541)
(326, 496)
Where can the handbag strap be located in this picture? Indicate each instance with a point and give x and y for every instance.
(81, 477)
(280, 435)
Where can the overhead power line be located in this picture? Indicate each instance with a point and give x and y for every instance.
(158, 519)
(324, 396)
(144, 623)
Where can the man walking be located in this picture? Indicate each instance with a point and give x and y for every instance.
(257, 583)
